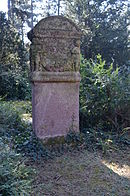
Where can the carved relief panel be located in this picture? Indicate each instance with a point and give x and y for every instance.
(55, 45)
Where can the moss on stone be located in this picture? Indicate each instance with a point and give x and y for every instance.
(54, 141)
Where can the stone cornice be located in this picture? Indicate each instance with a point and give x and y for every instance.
(44, 77)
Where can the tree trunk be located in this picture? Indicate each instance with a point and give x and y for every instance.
(31, 13)
(12, 10)
(58, 7)
(9, 9)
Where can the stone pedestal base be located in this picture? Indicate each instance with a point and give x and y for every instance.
(55, 101)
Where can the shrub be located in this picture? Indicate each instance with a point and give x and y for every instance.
(20, 133)
(11, 122)
(15, 177)
(104, 95)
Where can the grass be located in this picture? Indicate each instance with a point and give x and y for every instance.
(84, 173)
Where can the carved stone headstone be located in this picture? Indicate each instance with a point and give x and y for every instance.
(54, 63)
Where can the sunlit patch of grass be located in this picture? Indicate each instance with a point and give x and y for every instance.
(27, 118)
(123, 170)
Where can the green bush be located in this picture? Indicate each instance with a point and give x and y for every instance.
(11, 123)
(104, 95)
(14, 84)
(19, 132)
(15, 176)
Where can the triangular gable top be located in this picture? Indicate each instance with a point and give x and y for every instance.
(54, 26)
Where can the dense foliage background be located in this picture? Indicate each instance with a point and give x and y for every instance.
(14, 65)
(105, 27)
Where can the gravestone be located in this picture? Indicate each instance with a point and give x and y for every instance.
(55, 77)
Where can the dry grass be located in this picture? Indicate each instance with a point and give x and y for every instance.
(84, 174)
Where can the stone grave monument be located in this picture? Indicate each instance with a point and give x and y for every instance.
(55, 77)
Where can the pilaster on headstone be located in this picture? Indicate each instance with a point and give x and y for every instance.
(55, 77)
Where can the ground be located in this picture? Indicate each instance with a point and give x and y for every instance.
(84, 173)
(77, 172)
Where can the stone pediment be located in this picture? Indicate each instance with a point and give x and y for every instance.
(55, 26)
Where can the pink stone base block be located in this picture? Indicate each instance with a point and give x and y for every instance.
(55, 108)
